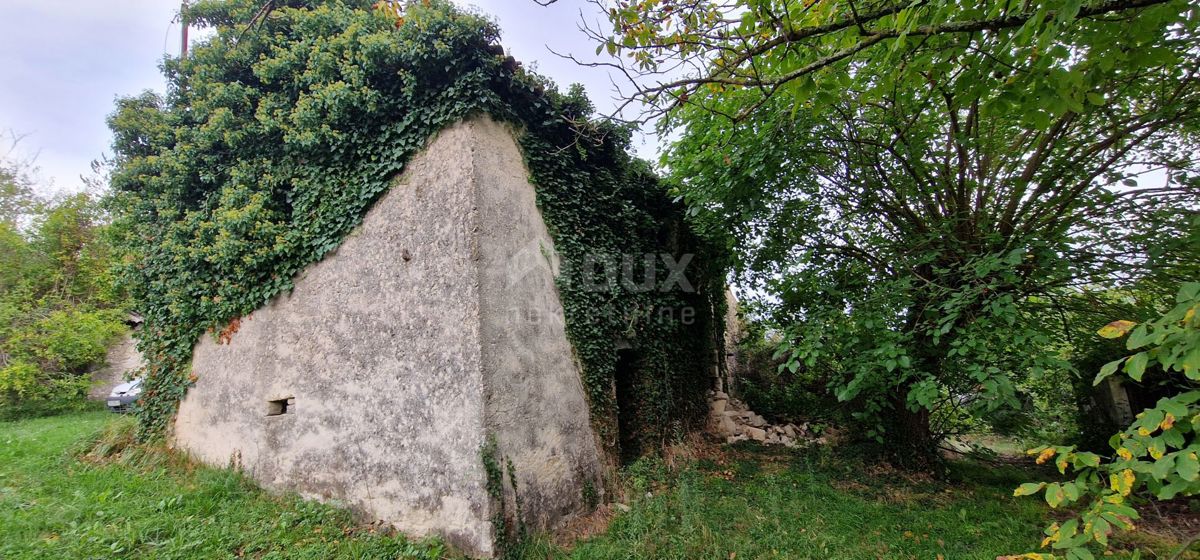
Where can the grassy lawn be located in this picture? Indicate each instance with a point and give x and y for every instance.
(754, 503)
(725, 503)
(56, 507)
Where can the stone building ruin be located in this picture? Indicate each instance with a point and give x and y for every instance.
(430, 345)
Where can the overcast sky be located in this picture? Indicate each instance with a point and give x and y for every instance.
(64, 62)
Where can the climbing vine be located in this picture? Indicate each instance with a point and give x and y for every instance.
(279, 132)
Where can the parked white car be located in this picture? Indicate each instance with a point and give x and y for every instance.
(123, 396)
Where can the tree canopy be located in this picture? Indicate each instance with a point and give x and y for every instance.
(917, 186)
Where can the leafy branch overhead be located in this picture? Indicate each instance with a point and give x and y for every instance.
(922, 212)
(669, 51)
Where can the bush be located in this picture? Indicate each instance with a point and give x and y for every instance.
(58, 308)
(1155, 458)
(58, 397)
(50, 358)
(73, 341)
(19, 379)
(770, 388)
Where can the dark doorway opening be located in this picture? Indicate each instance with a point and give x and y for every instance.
(625, 381)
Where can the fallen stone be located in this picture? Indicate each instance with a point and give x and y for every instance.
(718, 406)
(622, 508)
(726, 426)
(756, 434)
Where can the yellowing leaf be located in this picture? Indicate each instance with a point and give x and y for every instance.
(1055, 495)
(1029, 488)
(1122, 482)
(1046, 455)
(1116, 329)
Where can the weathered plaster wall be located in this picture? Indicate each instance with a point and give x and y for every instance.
(536, 407)
(402, 353)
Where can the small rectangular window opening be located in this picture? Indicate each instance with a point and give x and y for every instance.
(280, 407)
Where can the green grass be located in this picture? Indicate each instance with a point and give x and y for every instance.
(770, 503)
(767, 505)
(55, 506)
(743, 502)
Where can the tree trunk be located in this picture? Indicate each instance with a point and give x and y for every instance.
(909, 440)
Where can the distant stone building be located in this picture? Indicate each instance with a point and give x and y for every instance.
(420, 364)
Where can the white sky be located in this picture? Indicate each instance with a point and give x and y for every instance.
(63, 62)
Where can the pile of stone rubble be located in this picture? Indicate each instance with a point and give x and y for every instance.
(732, 420)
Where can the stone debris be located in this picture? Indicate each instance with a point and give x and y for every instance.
(733, 421)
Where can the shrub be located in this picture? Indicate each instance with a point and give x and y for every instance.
(1155, 458)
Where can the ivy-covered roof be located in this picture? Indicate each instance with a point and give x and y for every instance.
(278, 133)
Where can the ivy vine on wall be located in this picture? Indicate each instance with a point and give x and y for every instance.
(278, 133)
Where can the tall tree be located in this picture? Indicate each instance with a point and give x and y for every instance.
(914, 180)
(17, 198)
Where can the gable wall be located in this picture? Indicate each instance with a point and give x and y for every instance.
(382, 357)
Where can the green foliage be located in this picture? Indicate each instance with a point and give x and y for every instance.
(591, 496)
(17, 197)
(274, 140)
(76, 486)
(58, 307)
(1155, 457)
(915, 186)
(778, 387)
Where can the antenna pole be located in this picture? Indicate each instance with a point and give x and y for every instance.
(183, 22)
